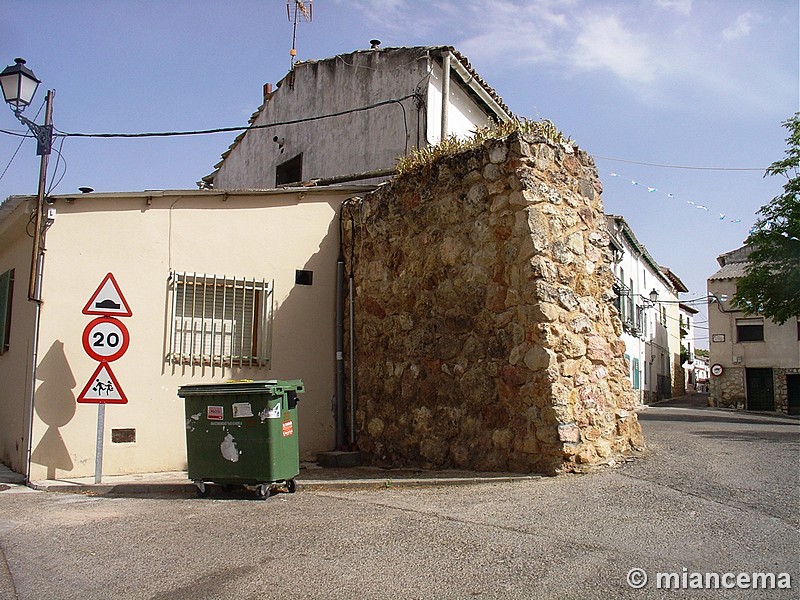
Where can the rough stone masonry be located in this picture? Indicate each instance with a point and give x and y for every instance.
(486, 336)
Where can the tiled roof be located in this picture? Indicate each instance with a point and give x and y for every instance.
(732, 270)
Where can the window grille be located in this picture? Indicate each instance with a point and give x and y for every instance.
(220, 320)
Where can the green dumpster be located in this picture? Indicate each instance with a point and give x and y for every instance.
(243, 433)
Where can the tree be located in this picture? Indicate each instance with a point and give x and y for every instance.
(771, 284)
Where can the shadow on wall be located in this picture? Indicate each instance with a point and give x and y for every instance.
(55, 405)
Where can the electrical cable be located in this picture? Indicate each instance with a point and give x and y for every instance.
(54, 184)
(663, 166)
(232, 129)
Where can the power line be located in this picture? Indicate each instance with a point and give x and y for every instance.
(663, 166)
(232, 129)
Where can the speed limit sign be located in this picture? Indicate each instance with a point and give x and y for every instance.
(106, 339)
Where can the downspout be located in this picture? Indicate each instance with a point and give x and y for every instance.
(340, 340)
(34, 361)
(340, 294)
(445, 92)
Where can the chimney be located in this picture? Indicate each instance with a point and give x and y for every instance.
(267, 91)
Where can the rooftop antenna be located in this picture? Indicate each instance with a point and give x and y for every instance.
(296, 11)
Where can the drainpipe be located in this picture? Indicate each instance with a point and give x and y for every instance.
(445, 91)
(340, 345)
(37, 290)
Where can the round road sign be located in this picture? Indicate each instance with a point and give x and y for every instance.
(106, 339)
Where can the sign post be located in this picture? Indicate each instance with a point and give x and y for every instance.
(105, 339)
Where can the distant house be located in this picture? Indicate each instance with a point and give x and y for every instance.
(357, 113)
(647, 302)
(686, 316)
(755, 363)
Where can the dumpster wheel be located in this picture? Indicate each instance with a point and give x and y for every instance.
(202, 489)
(263, 491)
(291, 486)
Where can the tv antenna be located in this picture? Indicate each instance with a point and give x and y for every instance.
(297, 11)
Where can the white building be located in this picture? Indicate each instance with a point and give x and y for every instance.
(355, 114)
(647, 301)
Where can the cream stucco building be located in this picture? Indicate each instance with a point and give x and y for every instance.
(273, 251)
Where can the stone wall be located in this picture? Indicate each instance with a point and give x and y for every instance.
(486, 336)
(727, 390)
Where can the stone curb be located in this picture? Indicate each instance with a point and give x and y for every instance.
(188, 489)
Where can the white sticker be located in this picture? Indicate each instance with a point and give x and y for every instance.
(229, 450)
(242, 409)
(274, 412)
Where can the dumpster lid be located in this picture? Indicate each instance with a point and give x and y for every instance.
(271, 386)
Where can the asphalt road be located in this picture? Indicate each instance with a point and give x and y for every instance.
(719, 495)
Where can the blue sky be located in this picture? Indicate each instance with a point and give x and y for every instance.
(663, 82)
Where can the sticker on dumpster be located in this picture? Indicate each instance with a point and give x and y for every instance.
(288, 428)
(271, 413)
(229, 450)
(215, 413)
(242, 409)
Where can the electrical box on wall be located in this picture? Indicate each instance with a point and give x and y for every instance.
(737, 360)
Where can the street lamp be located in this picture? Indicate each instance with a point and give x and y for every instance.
(654, 296)
(19, 86)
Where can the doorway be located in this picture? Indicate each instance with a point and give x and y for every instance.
(760, 391)
(793, 394)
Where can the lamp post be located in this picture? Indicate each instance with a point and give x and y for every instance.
(654, 296)
(19, 86)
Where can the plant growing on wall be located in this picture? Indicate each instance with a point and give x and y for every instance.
(771, 285)
(451, 145)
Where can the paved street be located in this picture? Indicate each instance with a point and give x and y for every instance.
(718, 494)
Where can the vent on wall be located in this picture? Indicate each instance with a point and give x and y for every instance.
(123, 436)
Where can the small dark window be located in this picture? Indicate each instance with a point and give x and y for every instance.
(290, 172)
(303, 277)
(749, 330)
(6, 293)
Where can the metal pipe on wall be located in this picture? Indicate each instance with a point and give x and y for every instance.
(445, 92)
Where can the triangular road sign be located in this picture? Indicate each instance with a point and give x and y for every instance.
(102, 388)
(108, 300)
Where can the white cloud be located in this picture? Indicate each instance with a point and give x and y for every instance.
(682, 7)
(605, 44)
(742, 26)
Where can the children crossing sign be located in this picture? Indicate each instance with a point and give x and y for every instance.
(102, 388)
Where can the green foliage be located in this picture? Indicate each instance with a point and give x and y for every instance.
(702, 353)
(771, 286)
(451, 145)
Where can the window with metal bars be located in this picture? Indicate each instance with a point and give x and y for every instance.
(220, 320)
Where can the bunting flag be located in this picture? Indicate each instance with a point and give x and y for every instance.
(722, 216)
(653, 190)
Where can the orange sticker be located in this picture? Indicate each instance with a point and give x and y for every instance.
(288, 428)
